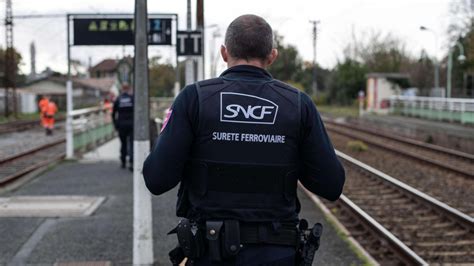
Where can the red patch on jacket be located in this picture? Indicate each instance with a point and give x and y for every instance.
(167, 118)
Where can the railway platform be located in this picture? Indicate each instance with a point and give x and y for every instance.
(81, 212)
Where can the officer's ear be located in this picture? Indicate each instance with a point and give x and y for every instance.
(224, 54)
(272, 56)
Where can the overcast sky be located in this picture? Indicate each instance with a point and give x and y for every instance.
(290, 18)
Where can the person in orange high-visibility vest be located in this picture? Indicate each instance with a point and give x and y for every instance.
(108, 110)
(42, 107)
(49, 112)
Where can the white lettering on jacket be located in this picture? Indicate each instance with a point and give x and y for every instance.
(245, 108)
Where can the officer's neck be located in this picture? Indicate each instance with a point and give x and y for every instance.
(250, 62)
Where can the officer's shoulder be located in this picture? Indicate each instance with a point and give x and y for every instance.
(206, 88)
(305, 98)
(210, 82)
(285, 86)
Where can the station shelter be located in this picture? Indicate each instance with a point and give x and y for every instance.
(380, 87)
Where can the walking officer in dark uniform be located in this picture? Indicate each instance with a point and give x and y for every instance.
(122, 116)
(237, 145)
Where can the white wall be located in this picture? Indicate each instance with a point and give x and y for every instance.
(28, 103)
(379, 90)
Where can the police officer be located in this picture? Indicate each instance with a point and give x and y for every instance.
(122, 116)
(237, 145)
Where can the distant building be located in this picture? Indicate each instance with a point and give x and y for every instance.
(113, 68)
(106, 68)
(86, 92)
(380, 86)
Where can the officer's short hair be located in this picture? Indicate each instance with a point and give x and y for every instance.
(249, 37)
(126, 86)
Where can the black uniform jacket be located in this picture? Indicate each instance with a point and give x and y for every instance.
(122, 112)
(163, 169)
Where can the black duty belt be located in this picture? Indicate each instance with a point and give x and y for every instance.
(225, 238)
(266, 234)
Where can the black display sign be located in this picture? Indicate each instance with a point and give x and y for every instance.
(118, 31)
(189, 43)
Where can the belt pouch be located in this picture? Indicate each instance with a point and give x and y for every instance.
(231, 238)
(213, 229)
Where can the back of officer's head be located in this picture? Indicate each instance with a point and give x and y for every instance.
(126, 88)
(249, 37)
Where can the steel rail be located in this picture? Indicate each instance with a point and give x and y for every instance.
(9, 179)
(459, 216)
(28, 152)
(412, 155)
(403, 251)
(417, 143)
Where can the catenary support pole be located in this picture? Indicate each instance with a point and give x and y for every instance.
(200, 26)
(450, 67)
(189, 67)
(176, 82)
(69, 102)
(315, 39)
(142, 212)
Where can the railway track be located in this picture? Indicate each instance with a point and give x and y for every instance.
(21, 125)
(451, 160)
(18, 165)
(399, 225)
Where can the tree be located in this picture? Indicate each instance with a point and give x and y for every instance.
(461, 19)
(461, 29)
(346, 80)
(421, 72)
(18, 61)
(305, 77)
(162, 78)
(374, 52)
(288, 62)
(290, 68)
(379, 52)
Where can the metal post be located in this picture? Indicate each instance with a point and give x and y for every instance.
(436, 74)
(69, 102)
(189, 68)
(436, 63)
(200, 26)
(450, 67)
(214, 54)
(448, 75)
(315, 39)
(177, 74)
(9, 73)
(142, 209)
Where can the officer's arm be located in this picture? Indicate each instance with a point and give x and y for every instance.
(114, 112)
(164, 166)
(323, 174)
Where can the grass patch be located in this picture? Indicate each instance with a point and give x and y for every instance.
(345, 238)
(27, 117)
(357, 146)
(30, 116)
(333, 110)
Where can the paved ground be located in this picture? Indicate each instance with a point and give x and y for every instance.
(107, 234)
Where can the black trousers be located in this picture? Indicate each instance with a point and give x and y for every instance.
(126, 141)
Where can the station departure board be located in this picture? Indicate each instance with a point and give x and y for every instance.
(119, 31)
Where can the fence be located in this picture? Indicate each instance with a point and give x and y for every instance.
(434, 108)
(92, 127)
